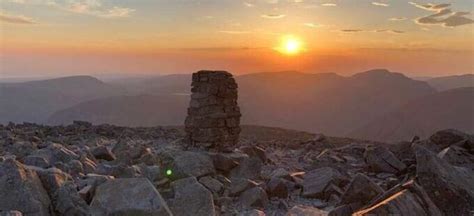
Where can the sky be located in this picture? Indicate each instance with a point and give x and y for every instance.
(150, 37)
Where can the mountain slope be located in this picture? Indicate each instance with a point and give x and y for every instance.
(451, 82)
(424, 116)
(143, 110)
(326, 103)
(34, 101)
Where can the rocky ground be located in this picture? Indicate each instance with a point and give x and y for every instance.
(83, 169)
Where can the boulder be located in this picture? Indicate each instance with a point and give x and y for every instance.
(187, 164)
(254, 197)
(255, 151)
(249, 167)
(316, 181)
(68, 202)
(212, 184)
(457, 156)
(191, 198)
(446, 138)
(300, 210)
(223, 162)
(238, 185)
(133, 196)
(360, 190)
(277, 187)
(10, 213)
(380, 159)
(451, 188)
(103, 152)
(21, 189)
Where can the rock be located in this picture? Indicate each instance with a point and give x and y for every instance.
(281, 173)
(252, 212)
(316, 181)
(52, 178)
(360, 190)
(300, 210)
(451, 188)
(223, 162)
(49, 156)
(21, 190)
(239, 185)
(68, 202)
(134, 196)
(380, 159)
(445, 138)
(10, 213)
(277, 187)
(186, 164)
(103, 152)
(254, 198)
(87, 192)
(405, 199)
(248, 168)
(255, 151)
(212, 184)
(457, 156)
(191, 198)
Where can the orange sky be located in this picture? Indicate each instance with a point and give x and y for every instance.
(49, 38)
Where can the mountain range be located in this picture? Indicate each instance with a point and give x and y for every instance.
(376, 104)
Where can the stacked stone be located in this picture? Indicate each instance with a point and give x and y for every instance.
(213, 119)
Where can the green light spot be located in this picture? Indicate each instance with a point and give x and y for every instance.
(169, 172)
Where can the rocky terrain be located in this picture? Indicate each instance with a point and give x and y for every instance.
(84, 169)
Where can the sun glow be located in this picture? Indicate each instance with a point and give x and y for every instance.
(290, 45)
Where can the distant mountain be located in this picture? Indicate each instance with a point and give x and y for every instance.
(326, 103)
(451, 82)
(143, 110)
(34, 101)
(423, 116)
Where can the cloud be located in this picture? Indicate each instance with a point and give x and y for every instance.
(443, 16)
(248, 4)
(398, 18)
(234, 32)
(392, 31)
(89, 7)
(329, 5)
(16, 19)
(273, 16)
(380, 4)
(351, 30)
(312, 25)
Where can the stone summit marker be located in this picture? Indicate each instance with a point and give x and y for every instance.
(213, 120)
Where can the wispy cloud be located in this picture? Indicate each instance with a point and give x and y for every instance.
(273, 16)
(398, 18)
(312, 25)
(380, 4)
(248, 4)
(89, 7)
(443, 15)
(329, 4)
(16, 19)
(393, 31)
(234, 32)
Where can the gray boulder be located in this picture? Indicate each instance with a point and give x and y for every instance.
(300, 210)
(191, 198)
(360, 190)
(316, 181)
(187, 164)
(380, 159)
(249, 167)
(254, 198)
(133, 196)
(451, 188)
(21, 189)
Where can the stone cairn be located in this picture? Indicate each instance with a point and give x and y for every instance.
(213, 115)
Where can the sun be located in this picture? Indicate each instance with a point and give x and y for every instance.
(290, 45)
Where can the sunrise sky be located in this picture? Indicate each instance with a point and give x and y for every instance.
(142, 37)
